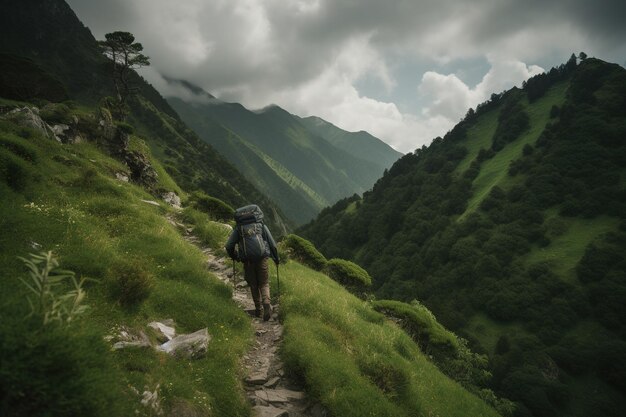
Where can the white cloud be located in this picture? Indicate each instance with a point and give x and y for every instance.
(450, 98)
(308, 55)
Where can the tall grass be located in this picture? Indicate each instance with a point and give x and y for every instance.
(357, 363)
(70, 202)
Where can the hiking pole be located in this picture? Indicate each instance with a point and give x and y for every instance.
(278, 279)
(234, 274)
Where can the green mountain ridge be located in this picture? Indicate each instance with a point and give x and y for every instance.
(330, 168)
(511, 230)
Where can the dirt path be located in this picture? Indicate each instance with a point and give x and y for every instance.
(269, 390)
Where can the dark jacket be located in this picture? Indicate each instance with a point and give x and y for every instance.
(270, 245)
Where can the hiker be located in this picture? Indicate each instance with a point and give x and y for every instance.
(254, 245)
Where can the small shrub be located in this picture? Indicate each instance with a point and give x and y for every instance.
(56, 113)
(304, 251)
(125, 127)
(348, 273)
(130, 281)
(49, 299)
(214, 207)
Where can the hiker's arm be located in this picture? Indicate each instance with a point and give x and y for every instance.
(270, 240)
(232, 241)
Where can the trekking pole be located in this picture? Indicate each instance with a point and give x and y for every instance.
(234, 274)
(278, 279)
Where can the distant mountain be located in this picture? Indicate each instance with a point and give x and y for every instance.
(49, 33)
(360, 144)
(284, 156)
(511, 229)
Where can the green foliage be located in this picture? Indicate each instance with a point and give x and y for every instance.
(211, 233)
(356, 363)
(125, 127)
(514, 234)
(214, 207)
(50, 301)
(55, 113)
(129, 281)
(420, 323)
(304, 251)
(58, 371)
(347, 273)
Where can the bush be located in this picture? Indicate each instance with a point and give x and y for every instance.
(125, 128)
(348, 273)
(55, 113)
(129, 281)
(420, 323)
(214, 207)
(304, 251)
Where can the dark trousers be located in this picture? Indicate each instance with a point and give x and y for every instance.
(257, 276)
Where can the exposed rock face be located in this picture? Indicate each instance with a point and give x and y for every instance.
(141, 170)
(165, 330)
(29, 117)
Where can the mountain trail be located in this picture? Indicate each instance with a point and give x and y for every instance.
(270, 391)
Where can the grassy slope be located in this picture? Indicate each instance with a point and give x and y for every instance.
(494, 171)
(355, 361)
(565, 250)
(68, 201)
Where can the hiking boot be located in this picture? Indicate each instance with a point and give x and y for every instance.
(257, 312)
(267, 312)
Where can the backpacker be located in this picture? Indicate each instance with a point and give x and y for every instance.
(251, 245)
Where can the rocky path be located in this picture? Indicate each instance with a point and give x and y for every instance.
(269, 390)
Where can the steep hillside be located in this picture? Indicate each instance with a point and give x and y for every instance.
(360, 144)
(41, 31)
(296, 166)
(511, 229)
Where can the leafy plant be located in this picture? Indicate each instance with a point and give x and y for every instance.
(304, 251)
(348, 273)
(50, 301)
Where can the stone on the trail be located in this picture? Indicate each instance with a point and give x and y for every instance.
(268, 411)
(260, 374)
(164, 332)
(272, 382)
(192, 345)
(278, 396)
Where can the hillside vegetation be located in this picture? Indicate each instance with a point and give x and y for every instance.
(511, 230)
(67, 199)
(301, 165)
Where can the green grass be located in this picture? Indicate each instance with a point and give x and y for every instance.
(70, 202)
(567, 248)
(494, 171)
(357, 363)
(487, 331)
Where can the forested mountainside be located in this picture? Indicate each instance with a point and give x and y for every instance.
(49, 34)
(300, 165)
(511, 230)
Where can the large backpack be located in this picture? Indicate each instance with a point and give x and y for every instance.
(252, 246)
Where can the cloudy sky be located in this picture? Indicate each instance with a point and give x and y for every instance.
(406, 71)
